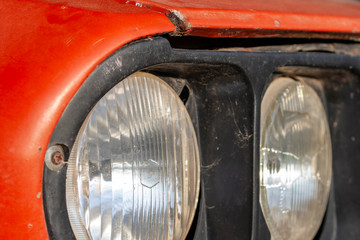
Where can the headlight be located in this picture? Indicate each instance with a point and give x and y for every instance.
(295, 160)
(134, 169)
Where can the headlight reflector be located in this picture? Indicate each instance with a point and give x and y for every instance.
(133, 171)
(295, 160)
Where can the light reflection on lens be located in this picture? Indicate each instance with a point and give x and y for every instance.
(134, 169)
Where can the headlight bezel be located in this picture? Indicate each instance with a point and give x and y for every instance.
(256, 69)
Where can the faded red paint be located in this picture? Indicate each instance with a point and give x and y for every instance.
(46, 52)
(257, 18)
(48, 49)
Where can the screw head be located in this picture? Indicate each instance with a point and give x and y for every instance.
(55, 158)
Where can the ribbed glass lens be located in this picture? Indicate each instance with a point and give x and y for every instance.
(295, 160)
(134, 169)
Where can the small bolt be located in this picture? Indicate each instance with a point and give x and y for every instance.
(55, 158)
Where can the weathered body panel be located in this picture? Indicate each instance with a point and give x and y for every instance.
(46, 52)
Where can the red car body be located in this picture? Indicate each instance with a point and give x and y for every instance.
(48, 48)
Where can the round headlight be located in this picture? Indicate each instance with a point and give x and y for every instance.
(295, 160)
(133, 171)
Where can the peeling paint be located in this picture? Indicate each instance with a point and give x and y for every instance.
(180, 22)
(277, 23)
(138, 4)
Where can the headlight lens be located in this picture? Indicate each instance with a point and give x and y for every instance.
(295, 160)
(134, 168)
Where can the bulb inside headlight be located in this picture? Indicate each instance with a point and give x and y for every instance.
(134, 168)
(295, 160)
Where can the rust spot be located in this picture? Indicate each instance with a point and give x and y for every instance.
(180, 22)
(57, 158)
